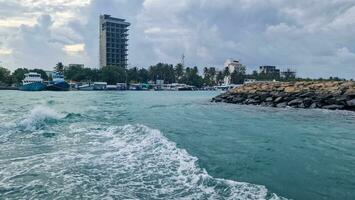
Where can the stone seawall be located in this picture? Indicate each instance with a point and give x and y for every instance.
(338, 95)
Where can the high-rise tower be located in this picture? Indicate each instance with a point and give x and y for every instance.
(113, 41)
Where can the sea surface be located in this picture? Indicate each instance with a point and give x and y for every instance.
(170, 145)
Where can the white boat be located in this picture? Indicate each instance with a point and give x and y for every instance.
(86, 87)
(32, 82)
(100, 85)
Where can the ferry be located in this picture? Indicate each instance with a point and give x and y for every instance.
(32, 82)
(58, 83)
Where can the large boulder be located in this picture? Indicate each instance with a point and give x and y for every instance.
(351, 103)
(307, 102)
(282, 105)
(328, 95)
(334, 107)
(350, 92)
(269, 99)
(251, 101)
(290, 89)
(278, 100)
(295, 102)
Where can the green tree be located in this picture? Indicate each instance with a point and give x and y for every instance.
(191, 77)
(162, 71)
(143, 75)
(5, 76)
(238, 76)
(77, 73)
(179, 72)
(226, 72)
(209, 76)
(59, 67)
(133, 76)
(219, 78)
(113, 74)
(19, 74)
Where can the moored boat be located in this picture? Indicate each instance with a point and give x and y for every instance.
(58, 83)
(32, 82)
(86, 87)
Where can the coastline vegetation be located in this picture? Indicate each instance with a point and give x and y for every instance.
(161, 71)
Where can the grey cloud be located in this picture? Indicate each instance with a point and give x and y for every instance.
(315, 37)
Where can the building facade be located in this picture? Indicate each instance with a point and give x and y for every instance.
(288, 74)
(233, 66)
(113, 41)
(269, 70)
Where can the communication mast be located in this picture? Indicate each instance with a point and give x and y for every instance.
(183, 60)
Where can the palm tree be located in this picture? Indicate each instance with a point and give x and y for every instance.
(59, 67)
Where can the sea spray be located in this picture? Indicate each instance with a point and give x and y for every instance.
(119, 162)
(38, 115)
(152, 159)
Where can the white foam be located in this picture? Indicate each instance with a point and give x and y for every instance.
(148, 154)
(124, 162)
(38, 115)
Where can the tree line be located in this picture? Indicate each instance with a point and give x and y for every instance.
(161, 71)
(8, 78)
(114, 74)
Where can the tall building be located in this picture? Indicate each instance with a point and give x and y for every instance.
(233, 66)
(113, 41)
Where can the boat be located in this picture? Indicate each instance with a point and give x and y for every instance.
(111, 87)
(32, 82)
(86, 87)
(100, 86)
(58, 83)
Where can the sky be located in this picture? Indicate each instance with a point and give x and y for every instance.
(314, 37)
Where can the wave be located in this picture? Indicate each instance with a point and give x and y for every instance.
(117, 162)
(39, 115)
(163, 171)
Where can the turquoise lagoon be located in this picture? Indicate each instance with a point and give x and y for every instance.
(170, 145)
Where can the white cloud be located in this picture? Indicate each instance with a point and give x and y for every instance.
(17, 22)
(74, 49)
(5, 52)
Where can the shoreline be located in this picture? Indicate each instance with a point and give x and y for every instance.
(8, 88)
(337, 95)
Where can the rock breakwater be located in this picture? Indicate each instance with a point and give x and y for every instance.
(337, 95)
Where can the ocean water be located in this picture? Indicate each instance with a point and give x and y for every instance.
(170, 145)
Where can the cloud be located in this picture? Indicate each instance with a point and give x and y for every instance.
(74, 49)
(317, 37)
(16, 22)
(5, 52)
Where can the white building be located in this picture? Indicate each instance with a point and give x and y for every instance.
(233, 66)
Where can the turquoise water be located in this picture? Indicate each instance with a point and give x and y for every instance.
(170, 145)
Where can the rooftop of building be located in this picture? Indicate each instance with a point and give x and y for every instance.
(114, 19)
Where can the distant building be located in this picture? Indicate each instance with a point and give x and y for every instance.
(269, 70)
(113, 41)
(77, 65)
(233, 66)
(289, 74)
